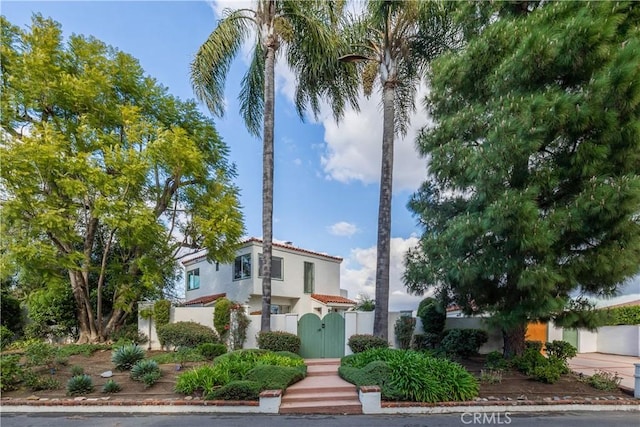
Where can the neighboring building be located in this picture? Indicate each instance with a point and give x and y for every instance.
(302, 281)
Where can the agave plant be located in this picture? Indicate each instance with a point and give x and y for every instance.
(79, 384)
(111, 387)
(126, 356)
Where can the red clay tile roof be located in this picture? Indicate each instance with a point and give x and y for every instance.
(332, 299)
(205, 299)
(203, 256)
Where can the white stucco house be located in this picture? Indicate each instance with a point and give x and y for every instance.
(303, 281)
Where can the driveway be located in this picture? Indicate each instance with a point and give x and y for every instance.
(623, 366)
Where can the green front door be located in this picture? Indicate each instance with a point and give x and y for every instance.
(321, 338)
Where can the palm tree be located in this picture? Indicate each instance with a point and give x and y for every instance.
(393, 43)
(306, 31)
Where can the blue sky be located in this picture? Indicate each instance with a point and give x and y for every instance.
(326, 174)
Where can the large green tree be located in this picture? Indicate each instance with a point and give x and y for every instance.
(104, 175)
(534, 189)
(304, 33)
(393, 43)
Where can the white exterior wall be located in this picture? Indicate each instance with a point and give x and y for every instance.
(286, 292)
(622, 339)
(554, 333)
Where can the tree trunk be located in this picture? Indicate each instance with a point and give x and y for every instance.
(88, 332)
(267, 182)
(381, 317)
(514, 340)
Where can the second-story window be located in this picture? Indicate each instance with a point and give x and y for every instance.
(277, 270)
(193, 279)
(308, 278)
(242, 267)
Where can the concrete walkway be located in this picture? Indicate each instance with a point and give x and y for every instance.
(623, 366)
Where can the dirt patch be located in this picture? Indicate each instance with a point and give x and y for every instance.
(514, 386)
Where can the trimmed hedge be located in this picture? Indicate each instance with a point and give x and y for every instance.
(629, 315)
(433, 316)
(186, 334)
(279, 341)
(211, 350)
(363, 342)
(271, 377)
(236, 390)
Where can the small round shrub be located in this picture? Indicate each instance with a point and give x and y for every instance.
(150, 378)
(211, 350)
(40, 354)
(363, 342)
(186, 334)
(111, 387)
(126, 356)
(80, 384)
(536, 345)
(496, 361)
(426, 341)
(271, 377)
(528, 361)
(547, 373)
(463, 342)
(279, 341)
(236, 390)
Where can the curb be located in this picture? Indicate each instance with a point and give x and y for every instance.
(194, 407)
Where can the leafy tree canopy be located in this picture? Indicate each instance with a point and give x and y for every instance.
(534, 188)
(102, 171)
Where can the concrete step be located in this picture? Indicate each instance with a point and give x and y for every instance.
(322, 407)
(316, 362)
(324, 396)
(315, 370)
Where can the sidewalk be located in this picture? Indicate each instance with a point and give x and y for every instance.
(623, 366)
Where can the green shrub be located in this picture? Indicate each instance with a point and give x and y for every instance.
(561, 350)
(202, 379)
(111, 387)
(279, 341)
(36, 382)
(186, 334)
(162, 312)
(536, 345)
(6, 336)
(463, 342)
(363, 342)
(629, 315)
(495, 360)
(211, 350)
(144, 367)
(80, 384)
(289, 354)
(236, 390)
(603, 380)
(126, 356)
(528, 361)
(77, 370)
(11, 373)
(412, 376)
(426, 341)
(403, 329)
(433, 316)
(239, 328)
(222, 317)
(150, 378)
(40, 354)
(548, 372)
(271, 377)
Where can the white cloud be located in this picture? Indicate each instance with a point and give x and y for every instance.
(343, 228)
(358, 274)
(354, 146)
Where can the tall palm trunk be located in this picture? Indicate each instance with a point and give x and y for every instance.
(267, 182)
(381, 317)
